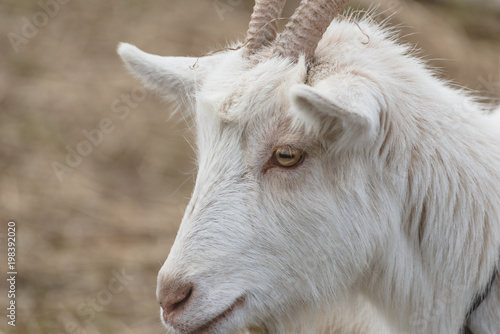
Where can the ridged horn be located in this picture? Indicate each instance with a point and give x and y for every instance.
(305, 28)
(263, 27)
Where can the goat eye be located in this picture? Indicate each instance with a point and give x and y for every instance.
(288, 157)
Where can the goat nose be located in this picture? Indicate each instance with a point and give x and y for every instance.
(173, 296)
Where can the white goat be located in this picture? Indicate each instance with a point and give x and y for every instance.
(340, 183)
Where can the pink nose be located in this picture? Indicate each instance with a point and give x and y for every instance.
(173, 295)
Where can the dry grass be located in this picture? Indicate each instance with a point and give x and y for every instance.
(120, 208)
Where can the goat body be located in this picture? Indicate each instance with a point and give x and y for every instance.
(387, 222)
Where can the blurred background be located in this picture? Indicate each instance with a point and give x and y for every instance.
(93, 231)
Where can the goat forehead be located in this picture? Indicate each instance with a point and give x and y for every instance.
(250, 136)
(236, 95)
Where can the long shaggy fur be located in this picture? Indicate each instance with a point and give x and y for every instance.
(390, 225)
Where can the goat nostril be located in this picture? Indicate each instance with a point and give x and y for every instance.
(176, 300)
(183, 301)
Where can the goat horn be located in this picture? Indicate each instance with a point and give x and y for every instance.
(305, 28)
(263, 27)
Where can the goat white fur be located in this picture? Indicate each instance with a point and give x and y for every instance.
(394, 213)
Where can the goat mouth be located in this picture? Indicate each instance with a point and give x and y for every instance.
(206, 327)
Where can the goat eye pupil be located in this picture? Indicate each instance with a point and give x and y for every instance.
(287, 157)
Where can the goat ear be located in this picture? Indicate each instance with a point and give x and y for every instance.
(346, 107)
(174, 77)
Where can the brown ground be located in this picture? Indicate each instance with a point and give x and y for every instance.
(120, 207)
